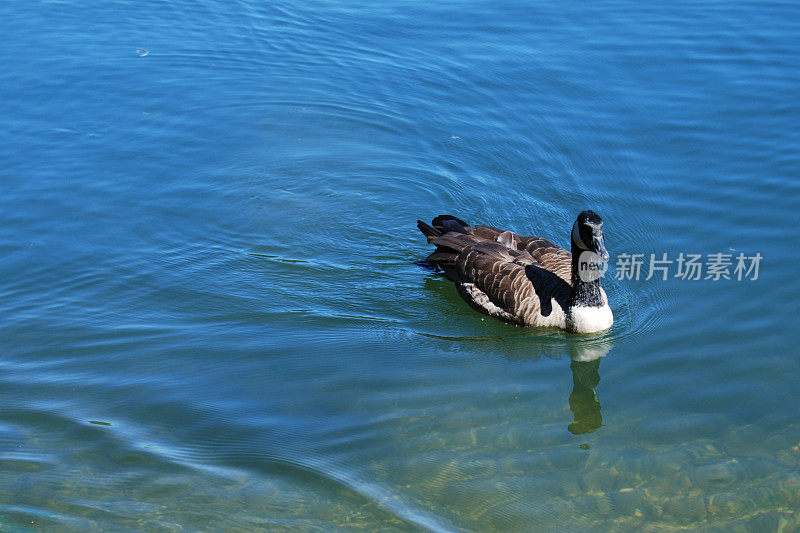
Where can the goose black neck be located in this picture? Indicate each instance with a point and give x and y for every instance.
(584, 293)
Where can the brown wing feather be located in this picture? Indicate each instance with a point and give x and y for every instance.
(509, 284)
(519, 279)
(486, 280)
(549, 256)
(545, 253)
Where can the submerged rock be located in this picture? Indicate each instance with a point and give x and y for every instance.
(627, 502)
(790, 488)
(595, 504)
(600, 479)
(686, 508)
(773, 521)
(729, 504)
(757, 468)
(716, 475)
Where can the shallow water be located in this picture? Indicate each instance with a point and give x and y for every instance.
(211, 314)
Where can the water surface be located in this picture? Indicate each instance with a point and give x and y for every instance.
(211, 314)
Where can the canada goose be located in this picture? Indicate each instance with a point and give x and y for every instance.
(523, 280)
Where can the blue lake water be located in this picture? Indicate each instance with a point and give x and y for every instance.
(210, 313)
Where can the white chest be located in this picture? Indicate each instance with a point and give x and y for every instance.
(589, 319)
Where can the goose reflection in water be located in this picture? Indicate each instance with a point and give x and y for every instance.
(583, 400)
(586, 351)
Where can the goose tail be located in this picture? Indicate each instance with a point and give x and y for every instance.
(445, 223)
(428, 230)
(450, 235)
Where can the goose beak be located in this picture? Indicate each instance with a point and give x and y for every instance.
(600, 247)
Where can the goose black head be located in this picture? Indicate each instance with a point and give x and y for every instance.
(587, 234)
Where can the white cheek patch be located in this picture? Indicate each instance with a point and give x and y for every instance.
(576, 236)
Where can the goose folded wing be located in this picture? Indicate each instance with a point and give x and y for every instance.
(496, 271)
(548, 256)
(543, 252)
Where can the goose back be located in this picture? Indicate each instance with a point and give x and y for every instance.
(523, 280)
